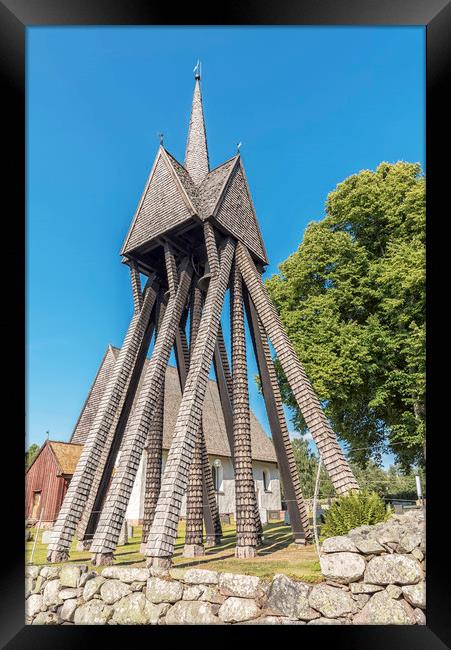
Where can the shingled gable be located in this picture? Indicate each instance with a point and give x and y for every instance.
(235, 211)
(165, 203)
(213, 419)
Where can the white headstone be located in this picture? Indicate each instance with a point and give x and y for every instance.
(418, 484)
(46, 535)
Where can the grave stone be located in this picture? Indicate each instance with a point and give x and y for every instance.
(46, 535)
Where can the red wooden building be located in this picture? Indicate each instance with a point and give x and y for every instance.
(47, 480)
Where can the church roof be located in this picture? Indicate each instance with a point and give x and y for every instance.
(67, 455)
(213, 419)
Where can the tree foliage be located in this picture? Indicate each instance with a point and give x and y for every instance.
(30, 454)
(352, 300)
(391, 482)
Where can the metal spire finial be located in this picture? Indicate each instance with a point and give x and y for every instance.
(238, 147)
(161, 136)
(197, 70)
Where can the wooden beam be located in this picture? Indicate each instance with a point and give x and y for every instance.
(89, 470)
(91, 513)
(280, 436)
(332, 455)
(247, 516)
(210, 516)
(162, 536)
(105, 539)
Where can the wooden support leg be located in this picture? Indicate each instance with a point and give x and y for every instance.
(246, 521)
(154, 453)
(90, 517)
(210, 510)
(160, 544)
(194, 544)
(333, 458)
(107, 533)
(213, 528)
(154, 461)
(136, 287)
(225, 388)
(194, 495)
(280, 436)
(100, 437)
(200, 496)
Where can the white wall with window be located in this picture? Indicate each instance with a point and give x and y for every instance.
(266, 478)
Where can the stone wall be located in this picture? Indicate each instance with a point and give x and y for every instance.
(373, 575)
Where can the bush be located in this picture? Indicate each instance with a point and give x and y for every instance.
(352, 510)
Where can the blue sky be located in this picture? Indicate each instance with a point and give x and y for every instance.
(311, 105)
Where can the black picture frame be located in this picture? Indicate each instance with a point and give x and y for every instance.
(15, 17)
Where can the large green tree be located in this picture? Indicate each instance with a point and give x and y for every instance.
(352, 300)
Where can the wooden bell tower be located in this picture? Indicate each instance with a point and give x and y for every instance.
(195, 235)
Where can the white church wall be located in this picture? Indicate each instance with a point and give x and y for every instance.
(268, 498)
(135, 508)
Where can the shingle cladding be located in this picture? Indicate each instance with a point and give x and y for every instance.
(236, 214)
(213, 419)
(185, 180)
(196, 155)
(84, 422)
(209, 190)
(162, 207)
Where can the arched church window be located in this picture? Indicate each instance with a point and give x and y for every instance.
(266, 480)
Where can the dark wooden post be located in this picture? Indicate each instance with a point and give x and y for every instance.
(211, 517)
(332, 455)
(162, 536)
(246, 522)
(154, 450)
(113, 512)
(90, 517)
(225, 389)
(194, 496)
(280, 436)
(90, 467)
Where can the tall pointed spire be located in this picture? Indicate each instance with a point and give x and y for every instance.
(196, 154)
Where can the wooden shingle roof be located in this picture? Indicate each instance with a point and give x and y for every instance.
(67, 455)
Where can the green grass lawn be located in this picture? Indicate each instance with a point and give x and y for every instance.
(277, 554)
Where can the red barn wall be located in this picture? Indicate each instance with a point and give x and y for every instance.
(42, 476)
